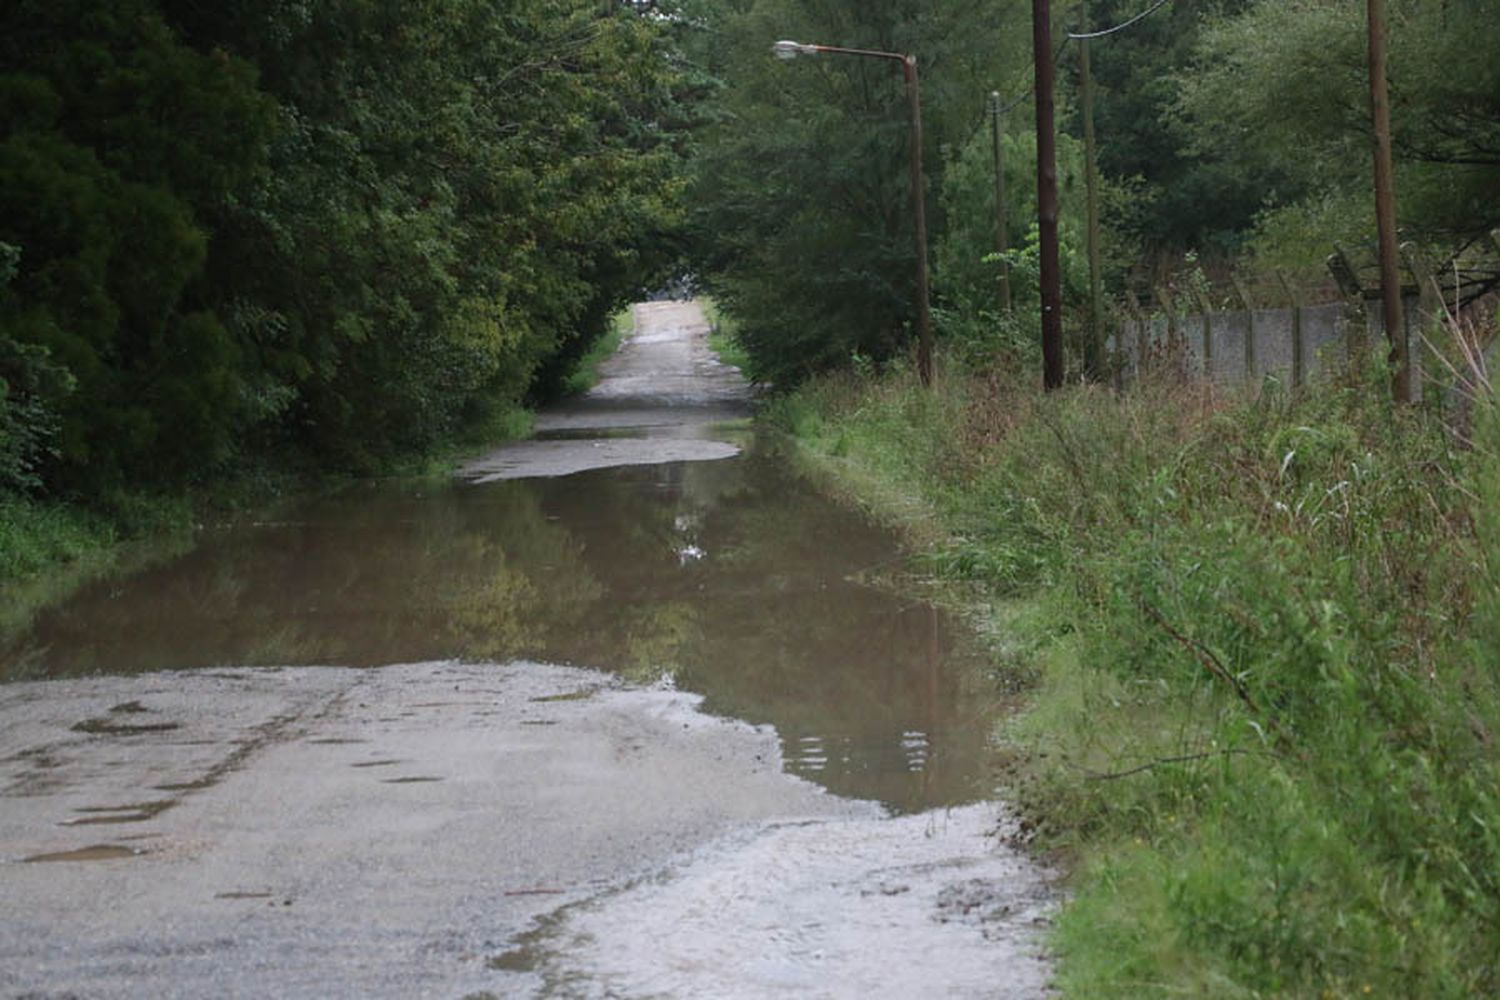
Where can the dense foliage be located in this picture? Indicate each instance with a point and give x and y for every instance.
(1234, 134)
(802, 187)
(339, 229)
(1282, 91)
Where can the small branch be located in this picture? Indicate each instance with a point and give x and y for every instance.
(1210, 662)
(1159, 762)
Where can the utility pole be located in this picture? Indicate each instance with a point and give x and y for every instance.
(1385, 209)
(1046, 196)
(1002, 226)
(919, 220)
(1094, 345)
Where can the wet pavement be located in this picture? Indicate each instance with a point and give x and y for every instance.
(621, 669)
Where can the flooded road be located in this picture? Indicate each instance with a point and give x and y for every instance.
(621, 667)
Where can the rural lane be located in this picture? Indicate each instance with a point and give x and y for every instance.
(483, 829)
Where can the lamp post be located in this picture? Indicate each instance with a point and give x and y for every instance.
(791, 50)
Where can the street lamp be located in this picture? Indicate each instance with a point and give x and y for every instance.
(791, 50)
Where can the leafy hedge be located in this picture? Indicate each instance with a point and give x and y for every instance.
(341, 229)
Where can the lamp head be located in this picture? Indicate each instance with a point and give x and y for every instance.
(791, 50)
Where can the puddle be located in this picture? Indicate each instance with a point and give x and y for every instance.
(108, 727)
(107, 815)
(735, 579)
(582, 694)
(99, 852)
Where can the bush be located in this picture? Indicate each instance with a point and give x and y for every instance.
(1265, 726)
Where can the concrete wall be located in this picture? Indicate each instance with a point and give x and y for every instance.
(1245, 347)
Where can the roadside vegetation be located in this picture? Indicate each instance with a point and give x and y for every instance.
(723, 336)
(1262, 636)
(1259, 624)
(586, 375)
(258, 245)
(248, 249)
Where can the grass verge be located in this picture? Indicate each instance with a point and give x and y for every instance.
(1264, 634)
(722, 339)
(586, 375)
(49, 548)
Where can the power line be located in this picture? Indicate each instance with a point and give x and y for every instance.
(1121, 27)
(1019, 99)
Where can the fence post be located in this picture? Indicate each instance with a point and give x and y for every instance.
(1430, 309)
(1354, 292)
(1206, 313)
(1164, 296)
(1139, 320)
(1121, 352)
(1249, 304)
(1298, 362)
(1133, 307)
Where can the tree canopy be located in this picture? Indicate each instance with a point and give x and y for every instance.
(801, 186)
(342, 230)
(340, 227)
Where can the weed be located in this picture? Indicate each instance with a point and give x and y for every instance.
(586, 375)
(1264, 632)
(723, 337)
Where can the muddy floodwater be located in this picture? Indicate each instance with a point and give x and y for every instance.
(631, 709)
(734, 579)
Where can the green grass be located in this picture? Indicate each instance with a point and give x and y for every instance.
(1263, 637)
(586, 375)
(721, 338)
(49, 548)
(36, 535)
(502, 424)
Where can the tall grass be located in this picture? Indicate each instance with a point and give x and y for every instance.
(1267, 637)
(586, 375)
(723, 337)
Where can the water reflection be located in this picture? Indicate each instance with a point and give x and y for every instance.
(733, 578)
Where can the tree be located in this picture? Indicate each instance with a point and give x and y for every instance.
(1284, 86)
(118, 140)
(800, 187)
(340, 228)
(1187, 198)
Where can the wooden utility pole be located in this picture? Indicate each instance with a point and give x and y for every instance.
(1002, 225)
(919, 213)
(1093, 348)
(1385, 209)
(1046, 196)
